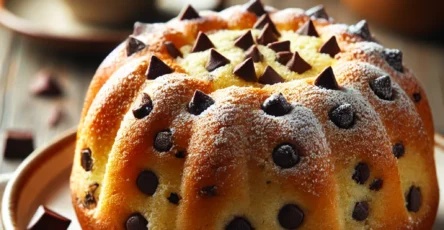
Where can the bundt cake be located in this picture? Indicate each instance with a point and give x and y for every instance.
(254, 118)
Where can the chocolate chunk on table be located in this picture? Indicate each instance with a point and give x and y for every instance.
(45, 84)
(45, 218)
(18, 144)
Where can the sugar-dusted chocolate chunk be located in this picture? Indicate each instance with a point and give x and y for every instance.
(202, 43)
(174, 198)
(343, 116)
(163, 142)
(245, 41)
(172, 50)
(317, 12)
(417, 97)
(279, 46)
(246, 71)
(147, 182)
(44, 219)
(86, 159)
(284, 57)
(376, 184)
(360, 212)
(398, 150)
(382, 87)
(330, 47)
(143, 106)
(285, 156)
(188, 13)
(255, 7)
(362, 173)
(298, 64)
(208, 191)
(136, 222)
(55, 116)
(199, 102)
(308, 29)
(18, 144)
(361, 29)
(290, 216)
(45, 84)
(266, 36)
(394, 58)
(239, 223)
(157, 68)
(327, 79)
(276, 105)
(414, 199)
(270, 76)
(134, 45)
(263, 21)
(254, 54)
(216, 60)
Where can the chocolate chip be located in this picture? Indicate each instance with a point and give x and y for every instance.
(45, 84)
(417, 97)
(174, 198)
(208, 191)
(188, 13)
(256, 7)
(245, 41)
(327, 79)
(254, 54)
(89, 201)
(317, 12)
(157, 68)
(414, 199)
(246, 71)
(382, 87)
(134, 45)
(360, 212)
(362, 173)
(202, 43)
(45, 218)
(216, 60)
(284, 57)
(270, 76)
(298, 64)
(180, 154)
(376, 184)
(172, 50)
(163, 141)
(343, 116)
(239, 223)
(263, 21)
(147, 182)
(308, 29)
(276, 105)
(199, 103)
(136, 222)
(394, 58)
(290, 216)
(55, 117)
(266, 36)
(279, 46)
(18, 144)
(285, 156)
(398, 150)
(331, 47)
(361, 29)
(86, 159)
(143, 106)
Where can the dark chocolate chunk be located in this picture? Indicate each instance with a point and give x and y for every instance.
(136, 222)
(279, 46)
(157, 68)
(208, 191)
(188, 13)
(180, 154)
(216, 60)
(414, 199)
(361, 29)
(143, 106)
(245, 41)
(308, 29)
(331, 47)
(290, 216)
(18, 144)
(199, 103)
(163, 142)
(263, 21)
(362, 173)
(284, 57)
(327, 79)
(382, 87)
(55, 116)
(134, 45)
(285, 156)
(86, 159)
(360, 212)
(254, 54)
(417, 97)
(276, 105)
(255, 7)
(89, 201)
(317, 12)
(174, 198)
(376, 184)
(172, 50)
(394, 58)
(398, 150)
(270, 76)
(44, 218)
(298, 64)
(202, 43)
(147, 182)
(239, 223)
(343, 116)
(266, 36)
(246, 71)
(46, 84)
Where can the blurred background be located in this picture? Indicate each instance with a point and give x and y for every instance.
(62, 42)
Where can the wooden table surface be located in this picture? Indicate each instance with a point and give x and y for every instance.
(21, 58)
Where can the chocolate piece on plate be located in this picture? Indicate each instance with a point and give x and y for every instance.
(45, 218)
